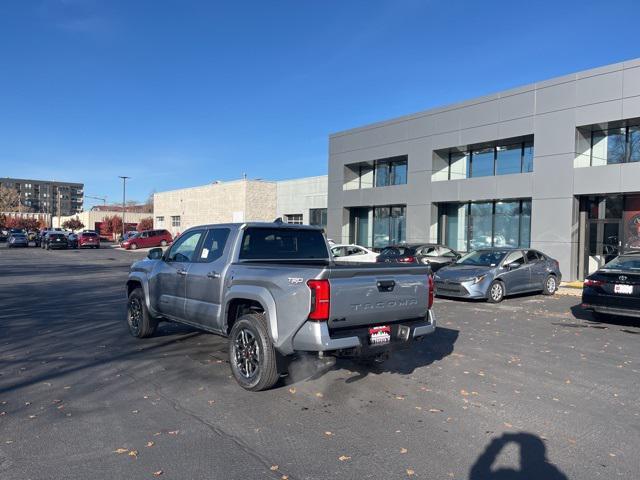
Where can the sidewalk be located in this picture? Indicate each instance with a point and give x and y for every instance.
(570, 288)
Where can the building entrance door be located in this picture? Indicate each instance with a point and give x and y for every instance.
(604, 242)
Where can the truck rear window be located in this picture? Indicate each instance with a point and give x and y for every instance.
(283, 244)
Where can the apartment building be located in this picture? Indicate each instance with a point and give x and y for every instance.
(48, 196)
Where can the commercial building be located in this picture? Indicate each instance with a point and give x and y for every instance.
(93, 219)
(47, 196)
(302, 200)
(553, 165)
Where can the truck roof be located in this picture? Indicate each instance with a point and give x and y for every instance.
(239, 226)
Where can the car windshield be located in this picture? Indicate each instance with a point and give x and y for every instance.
(19, 235)
(628, 262)
(483, 258)
(397, 251)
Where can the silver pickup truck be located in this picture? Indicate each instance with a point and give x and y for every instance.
(274, 291)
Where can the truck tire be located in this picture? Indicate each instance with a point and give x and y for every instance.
(496, 292)
(550, 285)
(140, 322)
(251, 353)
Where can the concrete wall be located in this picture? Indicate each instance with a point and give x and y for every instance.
(550, 110)
(300, 195)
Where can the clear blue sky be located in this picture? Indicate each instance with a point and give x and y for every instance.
(178, 93)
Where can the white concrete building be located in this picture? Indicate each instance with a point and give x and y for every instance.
(302, 200)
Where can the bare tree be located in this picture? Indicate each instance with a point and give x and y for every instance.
(9, 200)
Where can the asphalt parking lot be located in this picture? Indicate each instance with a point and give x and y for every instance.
(531, 388)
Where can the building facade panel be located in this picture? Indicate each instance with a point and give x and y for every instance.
(553, 165)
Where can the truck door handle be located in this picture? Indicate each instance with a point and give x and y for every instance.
(181, 272)
(213, 275)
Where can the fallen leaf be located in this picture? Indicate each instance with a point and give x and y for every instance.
(508, 425)
(133, 453)
(150, 444)
(211, 402)
(403, 450)
(435, 410)
(344, 458)
(274, 468)
(410, 472)
(292, 390)
(612, 454)
(418, 408)
(464, 393)
(284, 477)
(134, 411)
(32, 416)
(398, 397)
(319, 395)
(173, 432)
(120, 450)
(158, 473)
(328, 434)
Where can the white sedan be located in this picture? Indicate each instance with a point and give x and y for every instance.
(353, 253)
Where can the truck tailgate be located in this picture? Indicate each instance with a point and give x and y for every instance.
(377, 294)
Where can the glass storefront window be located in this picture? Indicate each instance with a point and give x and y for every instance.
(480, 225)
(482, 162)
(470, 226)
(506, 231)
(389, 226)
(525, 224)
(527, 157)
(508, 159)
(609, 147)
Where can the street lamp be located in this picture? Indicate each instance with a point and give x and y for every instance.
(124, 189)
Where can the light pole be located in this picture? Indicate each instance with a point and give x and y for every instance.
(124, 190)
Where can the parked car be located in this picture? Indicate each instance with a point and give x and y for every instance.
(493, 273)
(272, 289)
(353, 253)
(17, 240)
(88, 239)
(72, 240)
(437, 256)
(4, 235)
(55, 240)
(615, 288)
(148, 238)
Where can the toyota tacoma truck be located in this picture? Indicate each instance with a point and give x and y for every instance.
(274, 291)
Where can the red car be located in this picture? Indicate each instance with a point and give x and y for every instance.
(88, 239)
(148, 238)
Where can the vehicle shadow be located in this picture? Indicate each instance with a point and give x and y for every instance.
(533, 460)
(581, 314)
(421, 353)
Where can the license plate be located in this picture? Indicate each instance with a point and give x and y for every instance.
(380, 335)
(626, 289)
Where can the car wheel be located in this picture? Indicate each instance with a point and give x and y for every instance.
(133, 246)
(140, 322)
(496, 292)
(550, 285)
(163, 243)
(251, 354)
(97, 246)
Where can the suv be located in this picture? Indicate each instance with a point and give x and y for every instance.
(274, 291)
(147, 238)
(88, 239)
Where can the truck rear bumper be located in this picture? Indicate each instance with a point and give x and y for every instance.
(316, 337)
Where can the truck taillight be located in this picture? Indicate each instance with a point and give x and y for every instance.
(320, 300)
(430, 283)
